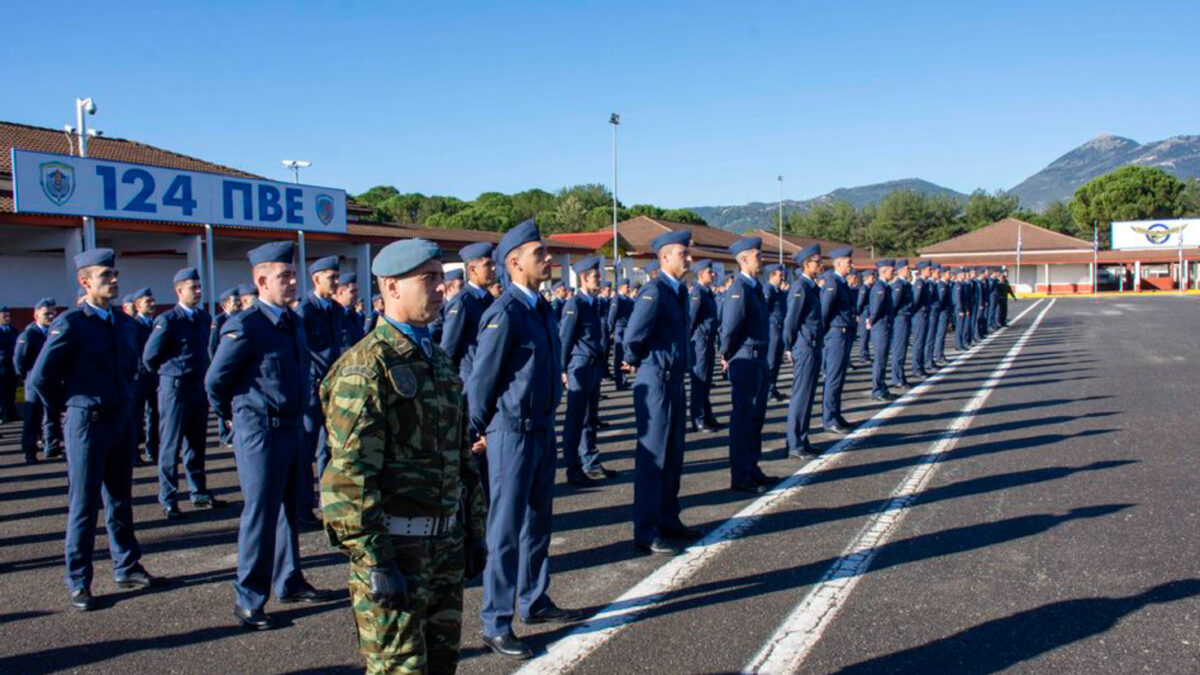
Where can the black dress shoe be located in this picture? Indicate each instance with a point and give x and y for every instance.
(657, 547)
(714, 425)
(255, 619)
(82, 600)
(508, 645)
(581, 480)
(702, 429)
(596, 475)
(778, 396)
(838, 428)
(804, 451)
(207, 501)
(137, 579)
(31, 459)
(886, 398)
(555, 614)
(307, 521)
(172, 512)
(752, 488)
(608, 473)
(842, 421)
(308, 594)
(764, 479)
(681, 532)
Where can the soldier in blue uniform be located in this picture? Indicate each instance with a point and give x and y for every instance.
(935, 351)
(8, 377)
(321, 318)
(922, 291)
(454, 281)
(559, 289)
(87, 367)
(743, 348)
(581, 368)
(513, 391)
(619, 310)
(776, 299)
(993, 286)
(39, 423)
(977, 300)
(1006, 292)
(651, 270)
(702, 332)
(837, 322)
(259, 380)
(177, 352)
(861, 303)
(879, 325)
(902, 310)
(352, 322)
(231, 304)
(145, 407)
(960, 303)
(605, 299)
(803, 333)
(656, 348)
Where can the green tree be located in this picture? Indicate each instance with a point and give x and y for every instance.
(984, 209)
(1055, 217)
(1129, 193)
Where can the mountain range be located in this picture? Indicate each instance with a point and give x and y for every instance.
(1178, 156)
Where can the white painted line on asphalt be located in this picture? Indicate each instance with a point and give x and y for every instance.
(574, 647)
(786, 650)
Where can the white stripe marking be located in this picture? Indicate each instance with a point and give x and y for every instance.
(581, 642)
(795, 638)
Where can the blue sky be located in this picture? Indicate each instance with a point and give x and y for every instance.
(716, 99)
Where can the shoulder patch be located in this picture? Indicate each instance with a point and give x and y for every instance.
(403, 380)
(361, 371)
(232, 335)
(735, 296)
(55, 331)
(648, 297)
(160, 325)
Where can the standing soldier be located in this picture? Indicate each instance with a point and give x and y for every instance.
(177, 352)
(803, 334)
(454, 280)
(702, 337)
(512, 395)
(581, 368)
(656, 349)
(39, 422)
(619, 310)
(87, 367)
(230, 304)
(902, 309)
(560, 299)
(400, 466)
(879, 324)
(1006, 292)
(744, 356)
(960, 299)
(322, 322)
(347, 297)
(604, 300)
(8, 378)
(776, 299)
(259, 381)
(145, 409)
(935, 351)
(837, 321)
(922, 289)
(862, 302)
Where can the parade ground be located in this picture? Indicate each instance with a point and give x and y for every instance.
(1033, 507)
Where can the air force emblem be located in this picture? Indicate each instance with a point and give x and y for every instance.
(324, 206)
(58, 181)
(1159, 233)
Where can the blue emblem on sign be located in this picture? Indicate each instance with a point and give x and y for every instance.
(1159, 233)
(58, 181)
(325, 208)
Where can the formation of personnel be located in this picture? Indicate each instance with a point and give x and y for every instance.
(433, 421)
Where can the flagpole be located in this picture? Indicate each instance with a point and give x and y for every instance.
(1095, 259)
(1017, 281)
(1179, 272)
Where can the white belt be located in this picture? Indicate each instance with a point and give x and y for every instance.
(424, 526)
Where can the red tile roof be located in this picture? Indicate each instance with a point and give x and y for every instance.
(593, 240)
(1001, 236)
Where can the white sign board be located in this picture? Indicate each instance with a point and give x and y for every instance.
(64, 185)
(1152, 234)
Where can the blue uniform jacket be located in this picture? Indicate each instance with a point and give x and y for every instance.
(579, 332)
(352, 328)
(178, 346)
(88, 362)
(880, 307)
(323, 334)
(776, 304)
(8, 341)
(461, 329)
(619, 311)
(214, 336)
(863, 300)
(837, 303)
(261, 368)
(516, 379)
(804, 314)
(902, 297)
(702, 313)
(29, 345)
(657, 335)
(744, 321)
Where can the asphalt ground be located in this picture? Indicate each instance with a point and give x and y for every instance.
(1054, 528)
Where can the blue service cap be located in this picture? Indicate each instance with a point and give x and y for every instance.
(773, 267)
(901, 262)
(605, 284)
(807, 252)
(103, 257)
(247, 289)
(480, 249)
(348, 278)
(651, 266)
(140, 293)
(186, 274)
(522, 233)
(667, 238)
(637, 286)
(557, 285)
(401, 257)
(329, 262)
(45, 302)
(844, 252)
(885, 262)
(454, 274)
(229, 293)
(127, 299)
(922, 264)
(869, 270)
(745, 244)
(586, 264)
(272, 252)
(701, 265)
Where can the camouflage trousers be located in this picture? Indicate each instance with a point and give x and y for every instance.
(425, 638)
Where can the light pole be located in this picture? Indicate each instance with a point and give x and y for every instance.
(88, 106)
(780, 220)
(295, 165)
(615, 120)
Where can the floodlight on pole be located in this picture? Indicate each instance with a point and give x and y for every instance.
(615, 120)
(780, 220)
(85, 106)
(295, 165)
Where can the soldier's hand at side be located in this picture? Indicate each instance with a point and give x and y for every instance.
(479, 445)
(476, 552)
(787, 356)
(724, 365)
(388, 587)
(868, 324)
(564, 379)
(625, 367)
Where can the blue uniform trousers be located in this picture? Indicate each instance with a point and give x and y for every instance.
(833, 364)
(748, 379)
(618, 349)
(40, 424)
(658, 407)
(316, 448)
(881, 338)
(701, 375)
(521, 475)
(864, 349)
(99, 466)
(269, 454)
(146, 413)
(994, 316)
(582, 419)
(183, 409)
(901, 327)
(942, 321)
(920, 329)
(805, 369)
(775, 349)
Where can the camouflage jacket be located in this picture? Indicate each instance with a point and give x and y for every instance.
(398, 444)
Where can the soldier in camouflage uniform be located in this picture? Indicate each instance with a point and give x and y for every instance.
(401, 493)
